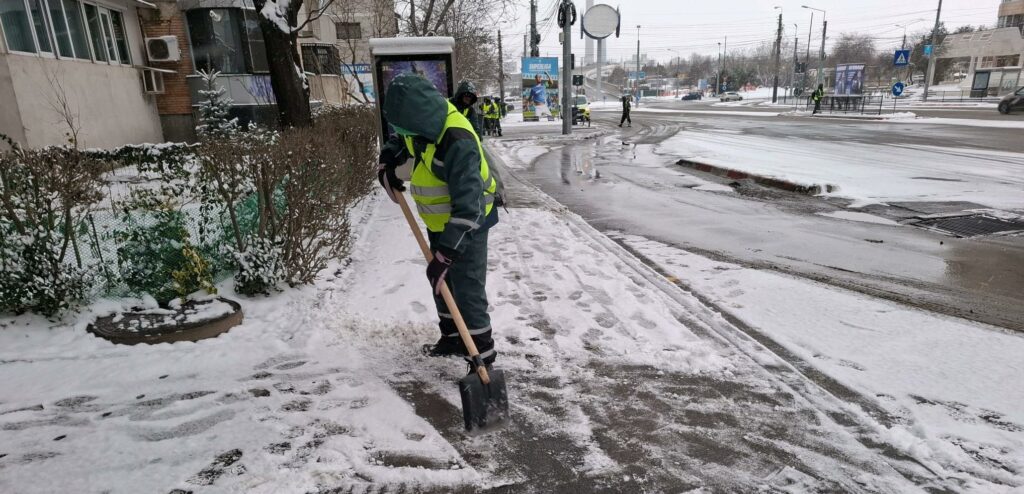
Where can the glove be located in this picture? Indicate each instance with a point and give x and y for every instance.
(389, 160)
(387, 178)
(437, 270)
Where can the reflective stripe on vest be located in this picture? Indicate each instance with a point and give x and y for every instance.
(431, 194)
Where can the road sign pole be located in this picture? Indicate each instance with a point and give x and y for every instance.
(566, 68)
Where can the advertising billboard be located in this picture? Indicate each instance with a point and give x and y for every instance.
(430, 57)
(540, 88)
(849, 79)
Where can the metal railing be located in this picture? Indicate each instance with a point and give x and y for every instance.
(980, 96)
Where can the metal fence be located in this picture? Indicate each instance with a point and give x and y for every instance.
(963, 96)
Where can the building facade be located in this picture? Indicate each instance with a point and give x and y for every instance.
(129, 71)
(75, 67)
(1011, 14)
(993, 58)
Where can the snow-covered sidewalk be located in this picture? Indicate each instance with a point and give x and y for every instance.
(619, 380)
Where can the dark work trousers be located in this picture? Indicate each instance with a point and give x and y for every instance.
(625, 118)
(467, 280)
(817, 107)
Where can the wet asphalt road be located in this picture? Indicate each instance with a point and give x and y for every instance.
(633, 190)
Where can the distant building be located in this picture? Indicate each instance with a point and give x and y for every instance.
(993, 59)
(1011, 14)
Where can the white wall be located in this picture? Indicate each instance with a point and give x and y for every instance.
(107, 101)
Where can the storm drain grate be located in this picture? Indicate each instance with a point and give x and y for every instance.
(973, 226)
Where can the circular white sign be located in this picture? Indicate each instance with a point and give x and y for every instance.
(600, 21)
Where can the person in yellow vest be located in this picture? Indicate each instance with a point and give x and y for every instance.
(454, 191)
(493, 115)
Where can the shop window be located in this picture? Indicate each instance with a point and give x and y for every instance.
(16, 26)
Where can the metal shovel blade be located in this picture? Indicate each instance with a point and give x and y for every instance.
(484, 406)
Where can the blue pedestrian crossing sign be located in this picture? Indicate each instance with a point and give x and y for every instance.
(897, 89)
(901, 58)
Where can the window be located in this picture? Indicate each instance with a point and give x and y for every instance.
(152, 81)
(348, 30)
(227, 40)
(76, 27)
(217, 40)
(60, 29)
(321, 59)
(41, 27)
(120, 37)
(92, 18)
(257, 48)
(16, 26)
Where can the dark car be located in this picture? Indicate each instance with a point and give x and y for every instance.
(692, 96)
(1012, 101)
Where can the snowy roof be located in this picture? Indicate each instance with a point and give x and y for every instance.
(411, 46)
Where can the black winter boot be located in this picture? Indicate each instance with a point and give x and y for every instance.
(446, 347)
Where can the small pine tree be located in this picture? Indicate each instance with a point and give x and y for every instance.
(213, 109)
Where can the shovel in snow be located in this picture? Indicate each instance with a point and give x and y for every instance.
(484, 396)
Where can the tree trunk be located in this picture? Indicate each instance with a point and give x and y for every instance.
(291, 94)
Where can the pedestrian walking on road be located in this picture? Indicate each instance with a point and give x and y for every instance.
(626, 106)
(816, 98)
(455, 197)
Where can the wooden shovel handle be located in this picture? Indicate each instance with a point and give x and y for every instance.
(445, 293)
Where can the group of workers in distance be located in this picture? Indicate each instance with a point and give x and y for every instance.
(488, 121)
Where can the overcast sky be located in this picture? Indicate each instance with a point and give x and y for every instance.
(688, 26)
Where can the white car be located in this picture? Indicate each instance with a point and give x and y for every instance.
(730, 96)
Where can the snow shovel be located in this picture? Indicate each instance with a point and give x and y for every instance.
(484, 396)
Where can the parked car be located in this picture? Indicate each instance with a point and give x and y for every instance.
(1012, 101)
(695, 95)
(730, 96)
(581, 110)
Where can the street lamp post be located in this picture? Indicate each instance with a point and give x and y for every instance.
(636, 80)
(931, 58)
(718, 73)
(821, 55)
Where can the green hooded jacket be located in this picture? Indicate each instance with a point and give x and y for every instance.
(412, 103)
(466, 87)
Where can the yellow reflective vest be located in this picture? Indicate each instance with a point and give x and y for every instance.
(429, 191)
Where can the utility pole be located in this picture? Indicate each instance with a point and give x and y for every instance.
(567, 9)
(636, 81)
(718, 73)
(725, 57)
(821, 55)
(526, 50)
(501, 75)
(778, 59)
(931, 58)
(534, 35)
(796, 59)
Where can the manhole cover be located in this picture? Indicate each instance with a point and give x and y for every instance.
(972, 226)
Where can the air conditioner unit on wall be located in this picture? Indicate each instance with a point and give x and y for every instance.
(163, 49)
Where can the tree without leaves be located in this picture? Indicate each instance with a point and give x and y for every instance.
(279, 22)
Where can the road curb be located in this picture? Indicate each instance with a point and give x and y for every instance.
(775, 183)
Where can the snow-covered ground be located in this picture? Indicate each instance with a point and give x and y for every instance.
(865, 173)
(951, 386)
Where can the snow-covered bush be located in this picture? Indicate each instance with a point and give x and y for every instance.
(258, 267)
(44, 194)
